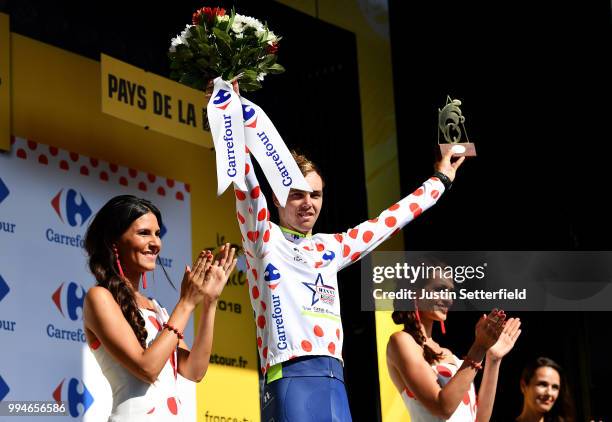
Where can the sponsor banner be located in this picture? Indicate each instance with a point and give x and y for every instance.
(5, 82)
(48, 196)
(271, 153)
(225, 113)
(232, 128)
(153, 102)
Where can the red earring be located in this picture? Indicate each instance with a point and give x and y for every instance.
(442, 327)
(118, 262)
(144, 280)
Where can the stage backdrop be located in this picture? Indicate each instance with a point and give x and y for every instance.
(61, 107)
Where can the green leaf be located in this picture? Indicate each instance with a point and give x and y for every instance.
(249, 75)
(223, 37)
(275, 69)
(250, 86)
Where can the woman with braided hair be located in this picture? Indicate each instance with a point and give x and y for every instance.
(435, 384)
(138, 345)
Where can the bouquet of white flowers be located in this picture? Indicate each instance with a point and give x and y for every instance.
(231, 47)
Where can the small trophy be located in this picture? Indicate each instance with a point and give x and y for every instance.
(450, 124)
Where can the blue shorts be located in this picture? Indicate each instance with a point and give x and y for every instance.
(308, 389)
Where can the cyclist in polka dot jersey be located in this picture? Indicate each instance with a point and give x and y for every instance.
(292, 278)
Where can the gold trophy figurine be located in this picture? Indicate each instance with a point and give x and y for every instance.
(450, 124)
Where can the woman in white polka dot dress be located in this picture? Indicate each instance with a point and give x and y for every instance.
(138, 346)
(435, 384)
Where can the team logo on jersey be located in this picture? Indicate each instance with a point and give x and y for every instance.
(271, 274)
(321, 291)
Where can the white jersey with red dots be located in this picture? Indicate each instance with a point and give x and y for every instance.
(135, 400)
(292, 278)
(465, 412)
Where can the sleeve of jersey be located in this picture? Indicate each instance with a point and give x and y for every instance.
(252, 213)
(361, 240)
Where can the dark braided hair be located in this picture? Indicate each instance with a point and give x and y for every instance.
(113, 219)
(409, 319)
(563, 409)
(413, 327)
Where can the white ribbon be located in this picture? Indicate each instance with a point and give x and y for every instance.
(271, 153)
(226, 126)
(261, 137)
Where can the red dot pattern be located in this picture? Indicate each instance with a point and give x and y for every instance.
(306, 346)
(255, 192)
(262, 214)
(240, 195)
(445, 372)
(86, 166)
(155, 323)
(318, 331)
(172, 406)
(261, 321)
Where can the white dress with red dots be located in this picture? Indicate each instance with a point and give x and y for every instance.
(133, 399)
(466, 412)
(292, 278)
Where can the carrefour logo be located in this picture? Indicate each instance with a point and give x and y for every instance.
(222, 99)
(249, 115)
(4, 389)
(4, 192)
(69, 299)
(76, 394)
(69, 206)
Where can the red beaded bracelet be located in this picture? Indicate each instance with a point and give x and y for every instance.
(473, 364)
(177, 332)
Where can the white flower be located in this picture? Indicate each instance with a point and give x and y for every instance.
(260, 77)
(181, 38)
(242, 22)
(223, 18)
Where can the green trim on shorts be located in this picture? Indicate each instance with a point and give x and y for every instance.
(275, 372)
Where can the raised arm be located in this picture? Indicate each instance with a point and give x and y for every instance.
(406, 358)
(488, 386)
(253, 214)
(194, 364)
(364, 238)
(102, 316)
